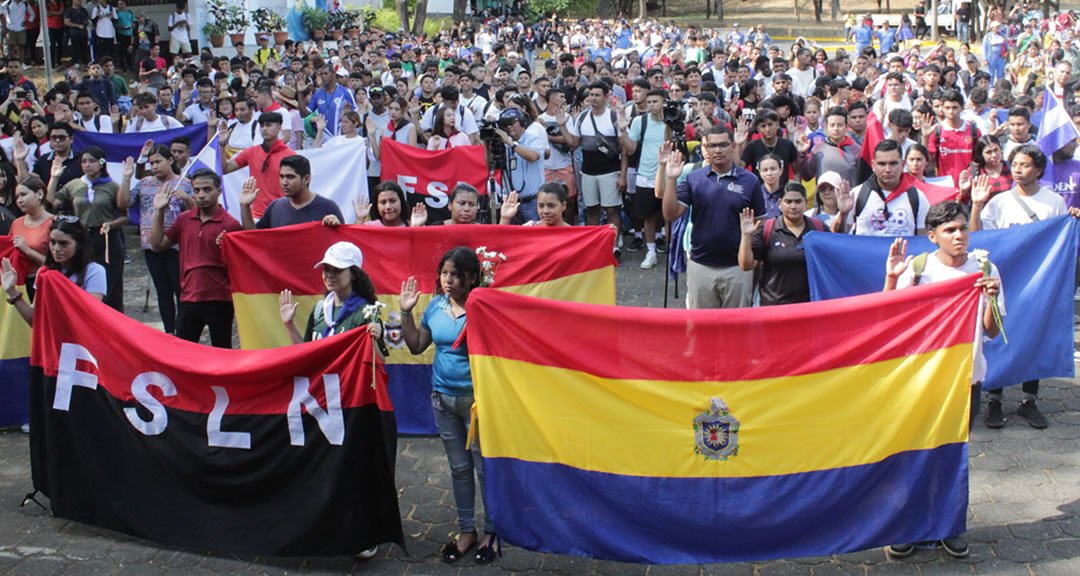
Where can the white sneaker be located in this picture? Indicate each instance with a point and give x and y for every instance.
(649, 261)
(368, 554)
(25, 428)
(1076, 296)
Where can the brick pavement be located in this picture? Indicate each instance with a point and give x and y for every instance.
(1023, 518)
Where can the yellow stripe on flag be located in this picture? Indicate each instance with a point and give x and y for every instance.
(14, 332)
(788, 425)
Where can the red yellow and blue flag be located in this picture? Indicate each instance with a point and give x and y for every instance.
(695, 436)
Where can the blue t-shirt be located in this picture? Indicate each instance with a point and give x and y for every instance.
(281, 213)
(717, 201)
(887, 39)
(655, 135)
(450, 370)
(332, 106)
(862, 35)
(95, 282)
(527, 177)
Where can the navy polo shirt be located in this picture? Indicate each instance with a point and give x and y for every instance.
(716, 201)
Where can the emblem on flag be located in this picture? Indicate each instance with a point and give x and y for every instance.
(716, 432)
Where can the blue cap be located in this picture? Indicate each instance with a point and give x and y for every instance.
(510, 114)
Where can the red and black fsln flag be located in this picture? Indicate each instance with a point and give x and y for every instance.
(274, 452)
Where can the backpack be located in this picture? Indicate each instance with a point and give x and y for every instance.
(864, 196)
(771, 223)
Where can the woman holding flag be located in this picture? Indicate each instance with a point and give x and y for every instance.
(164, 267)
(94, 200)
(452, 397)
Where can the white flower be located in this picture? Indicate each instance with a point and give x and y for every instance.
(372, 312)
(980, 255)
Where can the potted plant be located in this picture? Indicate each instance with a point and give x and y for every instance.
(220, 14)
(215, 31)
(269, 22)
(314, 20)
(237, 24)
(337, 23)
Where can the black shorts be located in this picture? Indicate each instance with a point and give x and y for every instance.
(645, 203)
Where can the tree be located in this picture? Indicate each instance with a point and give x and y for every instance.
(642, 9)
(419, 17)
(459, 10)
(403, 14)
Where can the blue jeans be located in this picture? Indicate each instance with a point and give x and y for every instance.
(996, 68)
(963, 32)
(527, 210)
(452, 417)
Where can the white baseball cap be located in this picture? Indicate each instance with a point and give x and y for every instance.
(342, 255)
(831, 178)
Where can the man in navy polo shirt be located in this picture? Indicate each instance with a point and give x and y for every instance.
(716, 195)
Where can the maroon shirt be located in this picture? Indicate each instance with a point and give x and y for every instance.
(203, 276)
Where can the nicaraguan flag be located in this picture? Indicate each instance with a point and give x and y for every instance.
(1056, 129)
(119, 147)
(1036, 262)
(208, 157)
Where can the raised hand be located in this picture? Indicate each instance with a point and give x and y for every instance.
(20, 147)
(410, 295)
(8, 277)
(321, 122)
(624, 122)
(965, 179)
(57, 166)
(129, 168)
(898, 262)
(665, 152)
(162, 199)
(249, 191)
(510, 207)
(742, 132)
(747, 223)
(845, 200)
(980, 191)
(146, 149)
(675, 163)
(362, 207)
(288, 307)
(802, 144)
(419, 215)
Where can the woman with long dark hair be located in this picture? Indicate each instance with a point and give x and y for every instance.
(71, 253)
(452, 397)
(445, 133)
(93, 199)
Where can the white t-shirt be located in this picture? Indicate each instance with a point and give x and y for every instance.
(1004, 210)
(180, 33)
(104, 124)
(466, 121)
(475, 104)
(102, 17)
(937, 271)
(245, 135)
(872, 222)
(162, 122)
(557, 159)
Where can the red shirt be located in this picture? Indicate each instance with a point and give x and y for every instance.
(265, 167)
(203, 276)
(954, 150)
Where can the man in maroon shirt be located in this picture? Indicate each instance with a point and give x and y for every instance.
(205, 298)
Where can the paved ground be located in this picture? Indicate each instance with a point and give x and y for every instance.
(1023, 519)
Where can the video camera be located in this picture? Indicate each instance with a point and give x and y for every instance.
(495, 146)
(675, 118)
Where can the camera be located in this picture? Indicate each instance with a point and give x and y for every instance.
(495, 146)
(675, 118)
(553, 129)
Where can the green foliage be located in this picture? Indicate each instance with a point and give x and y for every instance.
(267, 20)
(227, 17)
(541, 8)
(314, 19)
(386, 19)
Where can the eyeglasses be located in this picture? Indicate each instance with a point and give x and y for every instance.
(58, 137)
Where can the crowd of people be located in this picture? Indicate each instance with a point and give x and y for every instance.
(723, 146)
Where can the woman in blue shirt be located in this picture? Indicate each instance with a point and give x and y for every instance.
(452, 396)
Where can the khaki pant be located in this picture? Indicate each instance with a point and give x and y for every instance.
(727, 287)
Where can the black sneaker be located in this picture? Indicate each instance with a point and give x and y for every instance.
(1031, 413)
(956, 547)
(618, 256)
(661, 245)
(636, 244)
(994, 416)
(897, 551)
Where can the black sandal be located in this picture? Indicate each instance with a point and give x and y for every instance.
(451, 553)
(488, 552)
